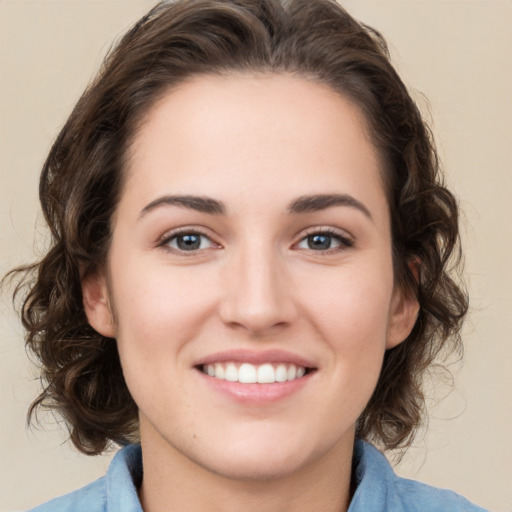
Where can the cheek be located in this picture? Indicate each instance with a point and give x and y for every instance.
(159, 309)
(350, 312)
(356, 332)
(350, 304)
(157, 318)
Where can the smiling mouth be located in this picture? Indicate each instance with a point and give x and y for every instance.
(248, 373)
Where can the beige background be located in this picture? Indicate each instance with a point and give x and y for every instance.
(456, 52)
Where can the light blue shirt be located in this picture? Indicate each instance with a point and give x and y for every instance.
(379, 489)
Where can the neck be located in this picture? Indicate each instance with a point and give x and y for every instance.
(174, 482)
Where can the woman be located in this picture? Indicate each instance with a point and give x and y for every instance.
(248, 273)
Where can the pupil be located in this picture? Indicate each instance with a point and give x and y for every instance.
(189, 242)
(318, 242)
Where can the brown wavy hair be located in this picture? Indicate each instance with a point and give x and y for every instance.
(82, 180)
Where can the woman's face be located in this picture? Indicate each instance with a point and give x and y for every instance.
(251, 243)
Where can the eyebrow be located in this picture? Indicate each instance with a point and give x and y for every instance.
(303, 204)
(314, 203)
(200, 204)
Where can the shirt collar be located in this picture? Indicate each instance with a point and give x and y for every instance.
(123, 478)
(374, 479)
(373, 474)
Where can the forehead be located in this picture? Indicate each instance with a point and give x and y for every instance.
(214, 133)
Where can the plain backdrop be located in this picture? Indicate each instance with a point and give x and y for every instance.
(456, 53)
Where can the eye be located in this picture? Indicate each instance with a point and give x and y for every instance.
(324, 241)
(188, 242)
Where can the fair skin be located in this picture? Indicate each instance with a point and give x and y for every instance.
(255, 276)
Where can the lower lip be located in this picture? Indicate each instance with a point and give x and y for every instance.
(256, 393)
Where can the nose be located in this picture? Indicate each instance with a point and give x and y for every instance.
(258, 296)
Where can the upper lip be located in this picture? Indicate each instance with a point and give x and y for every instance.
(256, 357)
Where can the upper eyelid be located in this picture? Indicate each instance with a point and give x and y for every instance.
(341, 233)
(200, 230)
(185, 230)
(164, 243)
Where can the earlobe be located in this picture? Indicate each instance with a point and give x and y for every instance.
(404, 309)
(404, 313)
(97, 305)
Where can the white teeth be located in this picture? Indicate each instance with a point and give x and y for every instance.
(247, 373)
(219, 371)
(266, 374)
(231, 373)
(281, 373)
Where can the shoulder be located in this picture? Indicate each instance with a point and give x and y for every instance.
(380, 489)
(91, 498)
(117, 490)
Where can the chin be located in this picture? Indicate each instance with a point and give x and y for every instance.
(256, 467)
(260, 456)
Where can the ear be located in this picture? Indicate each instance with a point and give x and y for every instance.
(403, 315)
(97, 304)
(404, 311)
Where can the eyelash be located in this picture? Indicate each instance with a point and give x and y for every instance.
(174, 235)
(345, 242)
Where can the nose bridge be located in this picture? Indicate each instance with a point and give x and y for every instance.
(257, 298)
